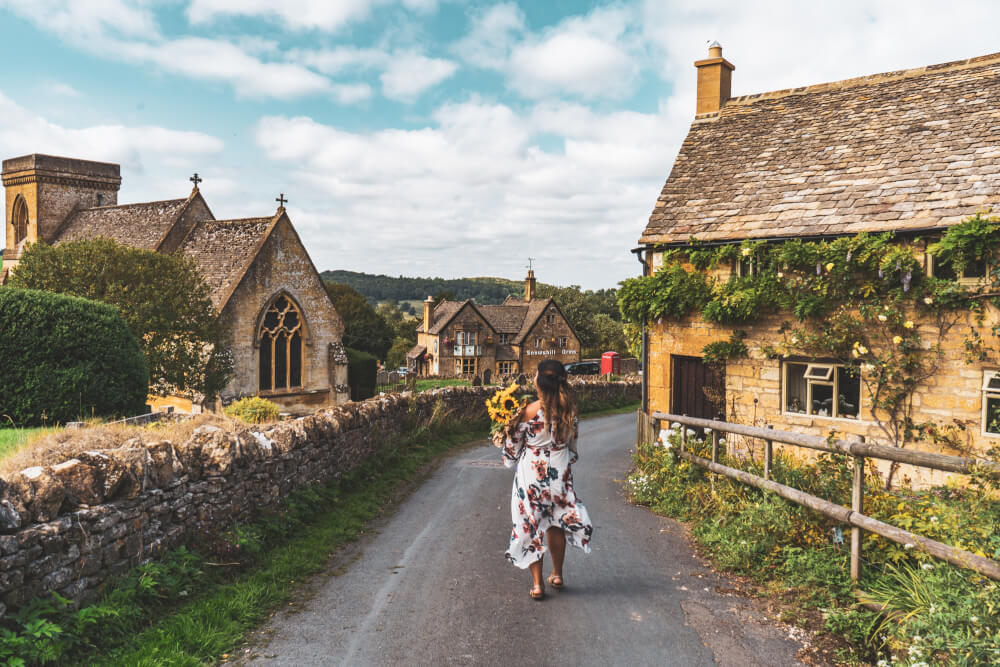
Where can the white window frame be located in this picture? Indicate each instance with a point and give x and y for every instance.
(539, 342)
(751, 266)
(504, 339)
(988, 393)
(832, 380)
(506, 367)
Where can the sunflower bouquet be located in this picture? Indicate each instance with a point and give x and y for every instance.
(503, 406)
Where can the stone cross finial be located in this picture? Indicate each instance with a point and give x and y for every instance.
(196, 179)
(530, 260)
(281, 200)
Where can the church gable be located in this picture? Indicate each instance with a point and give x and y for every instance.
(281, 271)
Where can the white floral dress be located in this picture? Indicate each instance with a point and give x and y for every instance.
(543, 494)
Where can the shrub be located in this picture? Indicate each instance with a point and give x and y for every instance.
(64, 357)
(361, 371)
(254, 410)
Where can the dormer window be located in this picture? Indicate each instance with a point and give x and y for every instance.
(973, 273)
(504, 339)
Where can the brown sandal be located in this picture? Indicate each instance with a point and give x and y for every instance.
(555, 581)
(537, 592)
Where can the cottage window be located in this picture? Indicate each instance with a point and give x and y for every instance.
(746, 266)
(435, 345)
(280, 339)
(19, 220)
(563, 341)
(504, 339)
(550, 317)
(539, 342)
(821, 390)
(465, 366)
(972, 273)
(466, 337)
(991, 402)
(505, 368)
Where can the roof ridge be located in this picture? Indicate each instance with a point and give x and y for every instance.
(137, 203)
(881, 77)
(262, 218)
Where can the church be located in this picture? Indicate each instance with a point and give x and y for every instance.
(285, 333)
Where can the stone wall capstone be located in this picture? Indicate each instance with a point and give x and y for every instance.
(73, 526)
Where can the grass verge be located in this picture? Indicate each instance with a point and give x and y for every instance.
(184, 610)
(934, 613)
(13, 439)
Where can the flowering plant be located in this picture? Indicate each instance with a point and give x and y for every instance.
(502, 407)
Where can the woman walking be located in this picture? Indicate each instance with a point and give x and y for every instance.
(541, 441)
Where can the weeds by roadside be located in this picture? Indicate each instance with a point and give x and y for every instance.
(933, 613)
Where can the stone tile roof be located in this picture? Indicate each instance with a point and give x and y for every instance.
(505, 319)
(139, 225)
(506, 353)
(416, 351)
(533, 311)
(442, 315)
(913, 149)
(223, 249)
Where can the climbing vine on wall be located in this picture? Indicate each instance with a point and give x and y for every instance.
(863, 300)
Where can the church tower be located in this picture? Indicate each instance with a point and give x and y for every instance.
(41, 192)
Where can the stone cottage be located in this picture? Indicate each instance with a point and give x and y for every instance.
(285, 332)
(913, 152)
(463, 338)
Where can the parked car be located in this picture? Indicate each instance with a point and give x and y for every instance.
(401, 370)
(584, 368)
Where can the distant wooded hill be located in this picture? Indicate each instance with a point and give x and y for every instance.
(378, 288)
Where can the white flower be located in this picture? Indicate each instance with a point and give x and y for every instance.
(908, 546)
(862, 349)
(690, 433)
(780, 275)
(746, 252)
(868, 368)
(974, 619)
(882, 318)
(722, 441)
(926, 566)
(882, 663)
(675, 425)
(934, 519)
(708, 431)
(928, 300)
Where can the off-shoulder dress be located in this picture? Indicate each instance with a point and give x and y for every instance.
(543, 494)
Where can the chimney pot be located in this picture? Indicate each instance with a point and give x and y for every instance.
(428, 310)
(714, 80)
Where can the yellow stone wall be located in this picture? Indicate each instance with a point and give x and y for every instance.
(952, 396)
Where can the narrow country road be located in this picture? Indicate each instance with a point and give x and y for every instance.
(432, 587)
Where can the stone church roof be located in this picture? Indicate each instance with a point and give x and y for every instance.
(139, 225)
(223, 249)
(906, 150)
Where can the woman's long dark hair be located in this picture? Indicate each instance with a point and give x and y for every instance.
(557, 399)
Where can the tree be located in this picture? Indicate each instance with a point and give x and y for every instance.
(404, 333)
(364, 329)
(162, 297)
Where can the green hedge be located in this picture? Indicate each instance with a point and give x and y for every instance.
(361, 371)
(66, 358)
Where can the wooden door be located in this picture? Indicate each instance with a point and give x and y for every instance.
(697, 389)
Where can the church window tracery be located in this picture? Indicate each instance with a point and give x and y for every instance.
(19, 220)
(281, 346)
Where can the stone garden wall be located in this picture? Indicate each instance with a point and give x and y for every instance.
(72, 527)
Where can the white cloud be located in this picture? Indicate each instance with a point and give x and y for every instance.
(470, 192)
(590, 57)
(58, 89)
(88, 19)
(326, 15)
(408, 74)
(134, 147)
(491, 36)
(341, 59)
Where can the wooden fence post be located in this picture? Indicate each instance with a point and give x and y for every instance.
(768, 455)
(715, 445)
(857, 502)
(684, 436)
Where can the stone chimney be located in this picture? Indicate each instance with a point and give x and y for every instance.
(428, 310)
(715, 75)
(529, 286)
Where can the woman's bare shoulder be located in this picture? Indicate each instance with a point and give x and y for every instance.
(531, 409)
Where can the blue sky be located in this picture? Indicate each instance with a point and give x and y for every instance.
(429, 137)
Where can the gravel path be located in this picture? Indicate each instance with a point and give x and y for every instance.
(431, 586)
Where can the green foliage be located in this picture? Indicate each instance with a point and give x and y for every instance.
(362, 369)
(364, 329)
(254, 410)
(65, 358)
(670, 293)
(378, 288)
(162, 297)
(969, 241)
(936, 613)
(721, 351)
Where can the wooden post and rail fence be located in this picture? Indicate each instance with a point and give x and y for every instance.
(649, 426)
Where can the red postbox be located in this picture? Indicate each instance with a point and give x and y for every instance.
(611, 363)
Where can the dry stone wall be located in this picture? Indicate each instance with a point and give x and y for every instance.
(72, 527)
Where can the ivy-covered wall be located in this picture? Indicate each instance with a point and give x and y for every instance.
(916, 344)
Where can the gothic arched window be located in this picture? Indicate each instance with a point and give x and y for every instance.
(19, 220)
(281, 346)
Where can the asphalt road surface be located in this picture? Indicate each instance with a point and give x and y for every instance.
(431, 586)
